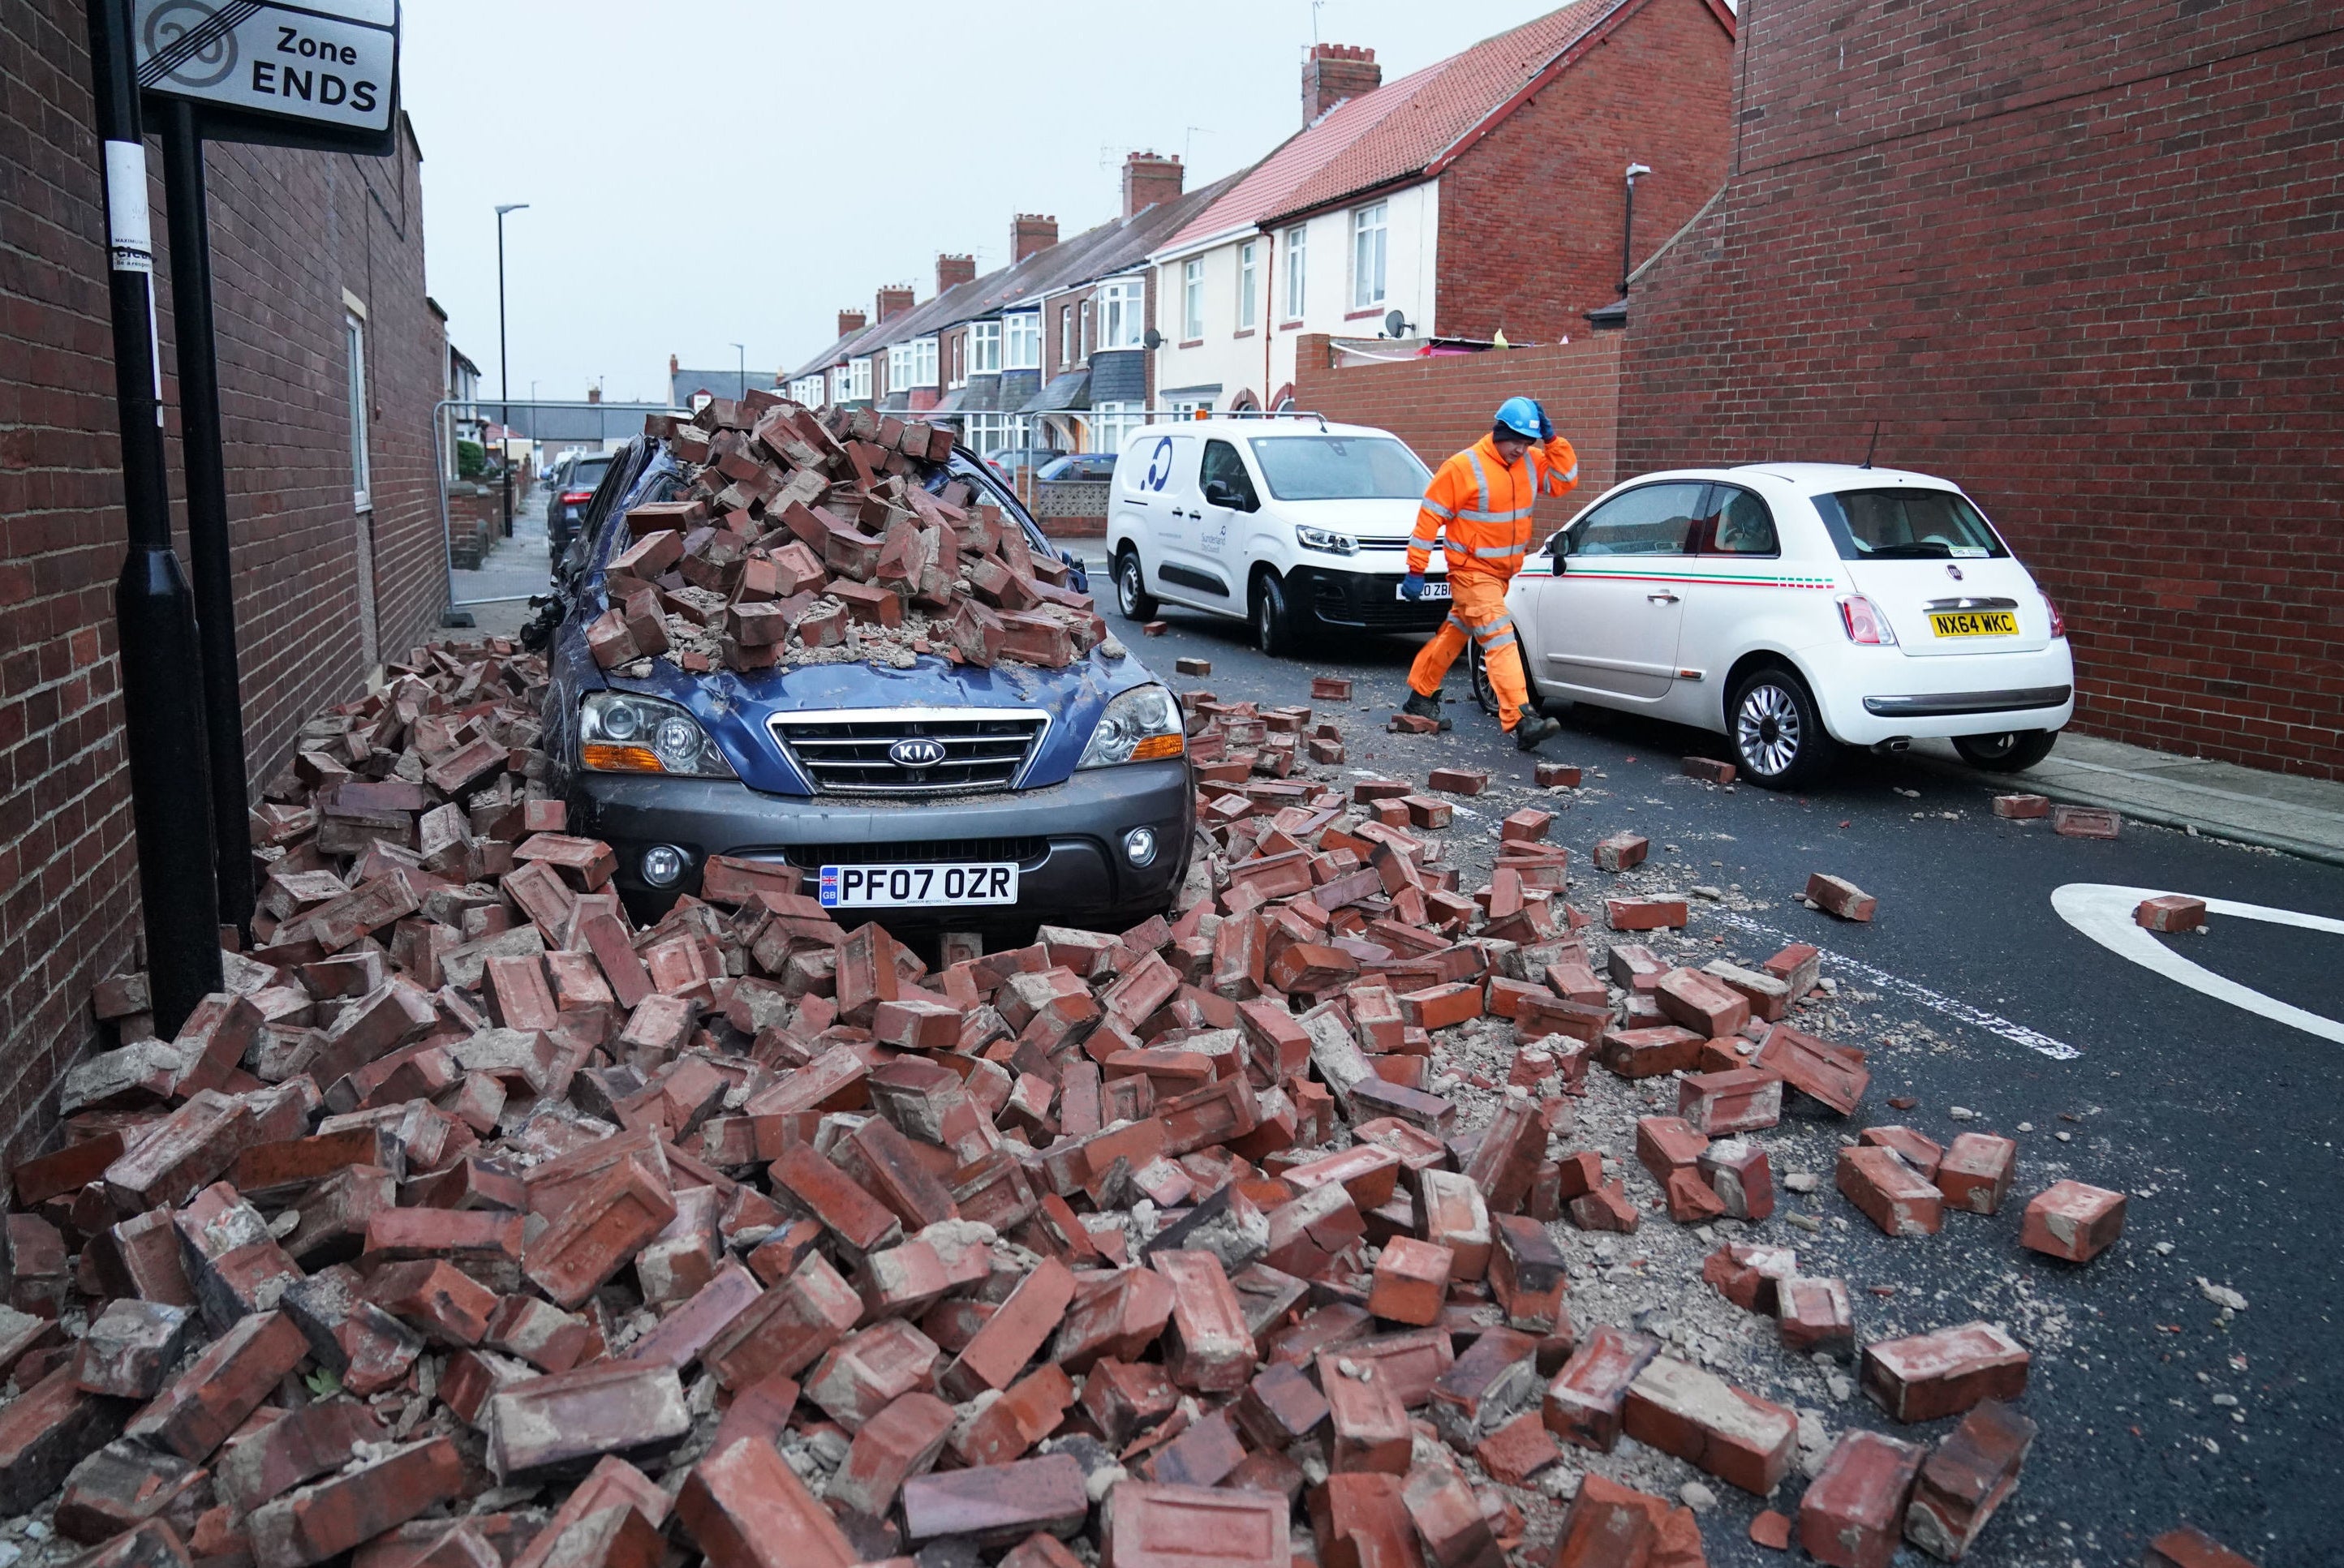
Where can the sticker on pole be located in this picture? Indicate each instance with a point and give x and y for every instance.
(330, 65)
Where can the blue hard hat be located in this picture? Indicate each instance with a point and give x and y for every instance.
(1519, 413)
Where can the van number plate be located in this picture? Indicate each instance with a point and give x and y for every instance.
(905, 886)
(1436, 588)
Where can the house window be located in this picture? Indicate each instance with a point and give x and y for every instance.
(1297, 240)
(1119, 310)
(354, 339)
(899, 367)
(1022, 342)
(1247, 257)
(1112, 425)
(990, 433)
(861, 369)
(1069, 348)
(1368, 233)
(985, 348)
(1192, 297)
(960, 360)
(924, 362)
(1085, 337)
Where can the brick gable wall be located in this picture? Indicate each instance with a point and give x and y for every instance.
(290, 232)
(2083, 260)
(1531, 214)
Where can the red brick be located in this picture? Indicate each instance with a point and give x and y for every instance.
(1701, 1002)
(1154, 1525)
(998, 1504)
(2085, 822)
(1210, 1348)
(332, 1516)
(1838, 896)
(744, 1507)
(1852, 1514)
(1584, 1404)
(1644, 914)
(220, 1388)
(1892, 1194)
(2186, 1546)
(1739, 1099)
(1925, 1376)
(1921, 1152)
(562, 1422)
(1834, 1074)
(1966, 1479)
(1608, 1524)
(869, 1370)
(446, 1305)
(46, 1431)
(1737, 1171)
(1814, 1316)
(1369, 1423)
(1700, 1418)
(787, 1329)
(130, 1348)
(2072, 1220)
(1013, 1336)
(2169, 912)
(271, 1460)
(901, 1441)
(1976, 1174)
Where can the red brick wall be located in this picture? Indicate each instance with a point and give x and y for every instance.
(1530, 216)
(1438, 406)
(2084, 260)
(290, 232)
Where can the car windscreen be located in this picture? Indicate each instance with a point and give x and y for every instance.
(1907, 524)
(1338, 467)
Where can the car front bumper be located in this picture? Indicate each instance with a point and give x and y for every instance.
(1884, 694)
(1364, 601)
(1066, 839)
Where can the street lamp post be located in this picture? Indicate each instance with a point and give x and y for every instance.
(504, 382)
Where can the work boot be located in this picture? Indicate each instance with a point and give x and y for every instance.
(1420, 705)
(1532, 730)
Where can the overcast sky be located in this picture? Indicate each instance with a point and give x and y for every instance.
(727, 172)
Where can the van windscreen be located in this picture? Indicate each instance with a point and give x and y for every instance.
(1340, 467)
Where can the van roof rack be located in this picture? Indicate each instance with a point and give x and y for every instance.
(1199, 415)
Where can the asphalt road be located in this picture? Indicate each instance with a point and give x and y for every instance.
(2219, 1124)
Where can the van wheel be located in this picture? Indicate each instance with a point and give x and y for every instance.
(1778, 736)
(2012, 752)
(1275, 630)
(1131, 595)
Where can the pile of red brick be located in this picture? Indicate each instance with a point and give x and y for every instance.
(789, 529)
(474, 1227)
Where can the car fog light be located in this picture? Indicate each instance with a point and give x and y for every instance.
(663, 864)
(1139, 846)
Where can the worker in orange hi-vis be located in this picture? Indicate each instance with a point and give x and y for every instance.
(1482, 498)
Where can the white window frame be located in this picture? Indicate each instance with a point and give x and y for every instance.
(1021, 340)
(1370, 253)
(985, 348)
(960, 360)
(1112, 424)
(1298, 259)
(361, 465)
(859, 369)
(899, 367)
(1069, 337)
(1122, 305)
(1192, 300)
(1248, 278)
(924, 362)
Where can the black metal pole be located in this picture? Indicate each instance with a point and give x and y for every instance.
(207, 538)
(162, 680)
(1628, 238)
(504, 383)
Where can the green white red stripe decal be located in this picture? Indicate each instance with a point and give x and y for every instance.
(1733, 579)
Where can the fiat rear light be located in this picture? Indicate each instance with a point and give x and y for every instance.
(2058, 621)
(1865, 623)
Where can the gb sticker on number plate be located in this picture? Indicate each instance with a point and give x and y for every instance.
(900, 886)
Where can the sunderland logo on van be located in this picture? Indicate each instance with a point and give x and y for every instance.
(1159, 464)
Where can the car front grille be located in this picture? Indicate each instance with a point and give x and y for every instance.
(850, 751)
(970, 852)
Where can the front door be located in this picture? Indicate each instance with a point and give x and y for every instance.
(1609, 619)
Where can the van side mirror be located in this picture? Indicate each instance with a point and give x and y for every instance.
(1559, 549)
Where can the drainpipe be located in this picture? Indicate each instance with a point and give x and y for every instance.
(1628, 227)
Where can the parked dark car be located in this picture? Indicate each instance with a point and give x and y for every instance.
(1011, 461)
(573, 487)
(1079, 466)
(942, 796)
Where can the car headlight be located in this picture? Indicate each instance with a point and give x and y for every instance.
(1326, 539)
(619, 732)
(1140, 725)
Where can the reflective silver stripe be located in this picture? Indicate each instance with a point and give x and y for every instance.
(1435, 508)
(1455, 620)
(1500, 552)
(1572, 476)
(1481, 479)
(1495, 626)
(1516, 516)
(1490, 647)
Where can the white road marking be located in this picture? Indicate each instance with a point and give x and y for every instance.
(1934, 1001)
(2103, 911)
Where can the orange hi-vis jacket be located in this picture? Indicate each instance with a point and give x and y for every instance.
(1485, 506)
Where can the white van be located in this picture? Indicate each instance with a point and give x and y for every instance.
(1290, 522)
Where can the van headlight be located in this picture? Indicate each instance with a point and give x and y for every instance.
(619, 732)
(1142, 725)
(1325, 539)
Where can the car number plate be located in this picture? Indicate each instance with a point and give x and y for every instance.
(1974, 623)
(945, 883)
(1437, 589)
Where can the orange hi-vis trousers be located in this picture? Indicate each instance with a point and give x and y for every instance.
(1478, 608)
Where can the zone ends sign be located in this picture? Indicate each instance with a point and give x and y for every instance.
(323, 74)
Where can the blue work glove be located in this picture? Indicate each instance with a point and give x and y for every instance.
(1546, 426)
(1412, 586)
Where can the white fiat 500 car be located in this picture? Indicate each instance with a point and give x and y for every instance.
(1290, 522)
(1797, 607)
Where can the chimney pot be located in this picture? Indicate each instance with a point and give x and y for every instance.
(852, 321)
(1334, 71)
(893, 300)
(1030, 232)
(952, 271)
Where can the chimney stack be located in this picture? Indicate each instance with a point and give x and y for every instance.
(1334, 71)
(952, 271)
(852, 321)
(593, 393)
(1148, 178)
(673, 365)
(893, 300)
(1030, 232)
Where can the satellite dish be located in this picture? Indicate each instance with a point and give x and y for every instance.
(1395, 323)
(1153, 338)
